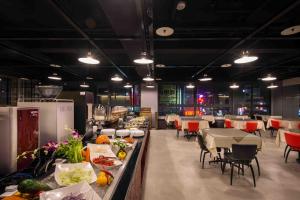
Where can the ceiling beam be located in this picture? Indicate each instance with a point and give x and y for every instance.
(71, 22)
(249, 36)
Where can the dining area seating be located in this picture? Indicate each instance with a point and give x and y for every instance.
(292, 144)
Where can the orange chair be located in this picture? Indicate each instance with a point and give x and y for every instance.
(251, 127)
(178, 127)
(193, 129)
(293, 143)
(228, 123)
(275, 125)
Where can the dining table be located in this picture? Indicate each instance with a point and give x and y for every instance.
(185, 120)
(225, 138)
(285, 123)
(241, 124)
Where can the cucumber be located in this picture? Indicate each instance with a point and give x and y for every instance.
(30, 186)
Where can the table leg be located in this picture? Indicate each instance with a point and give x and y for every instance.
(298, 159)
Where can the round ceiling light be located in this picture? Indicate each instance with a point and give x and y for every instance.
(150, 86)
(54, 76)
(55, 65)
(291, 30)
(148, 78)
(234, 86)
(84, 85)
(116, 78)
(226, 65)
(190, 86)
(128, 85)
(205, 78)
(269, 77)
(89, 59)
(245, 58)
(143, 60)
(164, 31)
(180, 5)
(89, 78)
(272, 86)
(160, 65)
(158, 79)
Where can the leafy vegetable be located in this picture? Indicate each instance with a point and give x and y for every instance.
(75, 175)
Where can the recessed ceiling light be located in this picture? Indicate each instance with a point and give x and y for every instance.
(89, 78)
(143, 60)
(116, 78)
(234, 86)
(226, 65)
(89, 59)
(128, 85)
(84, 85)
(190, 86)
(148, 78)
(269, 77)
(55, 65)
(158, 79)
(24, 79)
(291, 30)
(272, 86)
(160, 65)
(205, 78)
(150, 86)
(180, 5)
(245, 58)
(164, 31)
(54, 76)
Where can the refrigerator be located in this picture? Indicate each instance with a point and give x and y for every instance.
(20, 132)
(56, 119)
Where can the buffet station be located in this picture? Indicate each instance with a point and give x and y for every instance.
(104, 163)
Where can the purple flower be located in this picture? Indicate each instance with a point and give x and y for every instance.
(75, 134)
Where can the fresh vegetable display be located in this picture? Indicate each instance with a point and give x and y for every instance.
(102, 160)
(120, 144)
(104, 178)
(129, 140)
(121, 154)
(102, 139)
(75, 175)
(74, 197)
(30, 186)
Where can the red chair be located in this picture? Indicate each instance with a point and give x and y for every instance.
(251, 127)
(228, 123)
(275, 125)
(178, 127)
(293, 142)
(193, 129)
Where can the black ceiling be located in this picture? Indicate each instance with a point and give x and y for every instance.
(208, 33)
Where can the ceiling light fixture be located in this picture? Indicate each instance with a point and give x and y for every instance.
(148, 78)
(24, 79)
(54, 76)
(158, 79)
(84, 85)
(234, 86)
(150, 86)
(164, 31)
(245, 58)
(89, 78)
(180, 5)
(55, 65)
(89, 59)
(160, 65)
(205, 78)
(291, 30)
(272, 86)
(143, 60)
(269, 77)
(116, 78)
(190, 86)
(128, 85)
(226, 65)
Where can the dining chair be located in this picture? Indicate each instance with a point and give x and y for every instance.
(293, 142)
(178, 127)
(228, 123)
(251, 127)
(241, 155)
(193, 129)
(275, 125)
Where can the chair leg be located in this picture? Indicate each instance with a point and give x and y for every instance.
(243, 170)
(272, 131)
(231, 174)
(177, 133)
(258, 167)
(223, 165)
(203, 158)
(253, 176)
(259, 133)
(286, 148)
(201, 154)
(287, 155)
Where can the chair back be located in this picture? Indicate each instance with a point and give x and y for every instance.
(292, 139)
(258, 117)
(201, 142)
(275, 124)
(244, 151)
(176, 124)
(193, 126)
(251, 126)
(228, 123)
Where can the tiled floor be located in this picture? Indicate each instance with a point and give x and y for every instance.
(174, 173)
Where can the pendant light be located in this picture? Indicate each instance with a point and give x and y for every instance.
(148, 78)
(245, 58)
(150, 86)
(116, 78)
(272, 86)
(190, 86)
(84, 85)
(234, 86)
(128, 85)
(89, 59)
(205, 78)
(269, 77)
(143, 60)
(55, 77)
